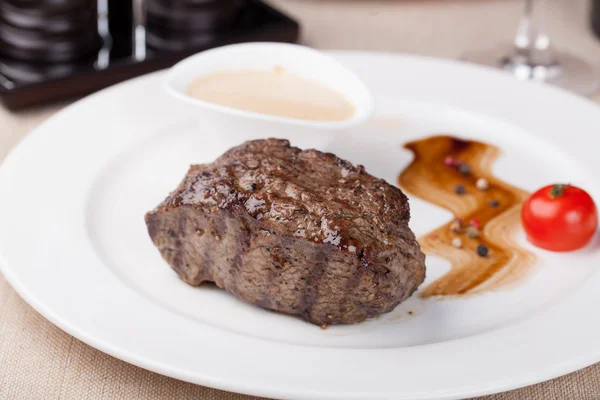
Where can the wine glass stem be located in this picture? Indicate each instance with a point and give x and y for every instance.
(139, 39)
(532, 44)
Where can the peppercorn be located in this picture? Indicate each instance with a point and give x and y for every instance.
(472, 232)
(482, 184)
(482, 250)
(456, 242)
(456, 225)
(475, 223)
(449, 161)
(493, 203)
(464, 169)
(460, 189)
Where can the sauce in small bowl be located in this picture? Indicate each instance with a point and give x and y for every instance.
(258, 90)
(278, 93)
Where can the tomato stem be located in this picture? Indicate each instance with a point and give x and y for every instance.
(558, 190)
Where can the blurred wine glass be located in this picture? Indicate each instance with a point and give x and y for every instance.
(531, 57)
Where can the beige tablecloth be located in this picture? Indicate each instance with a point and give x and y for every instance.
(39, 361)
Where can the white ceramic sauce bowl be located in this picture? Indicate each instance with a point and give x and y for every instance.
(235, 126)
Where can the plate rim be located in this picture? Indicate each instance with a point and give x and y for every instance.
(31, 299)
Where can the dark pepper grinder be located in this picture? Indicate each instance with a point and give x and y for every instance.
(176, 25)
(595, 17)
(49, 31)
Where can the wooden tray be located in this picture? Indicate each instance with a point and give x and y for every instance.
(259, 22)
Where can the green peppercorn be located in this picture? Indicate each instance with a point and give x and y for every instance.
(464, 169)
(472, 232)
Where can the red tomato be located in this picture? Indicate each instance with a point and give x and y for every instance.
(560, 218)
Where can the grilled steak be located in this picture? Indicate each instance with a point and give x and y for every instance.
(300, 232)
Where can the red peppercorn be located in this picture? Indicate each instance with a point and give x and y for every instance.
(449, 161)
(475, 223)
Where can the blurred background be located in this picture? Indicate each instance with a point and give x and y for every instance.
(55, 51)
(34, 84)
(51, 50)
(441, 28)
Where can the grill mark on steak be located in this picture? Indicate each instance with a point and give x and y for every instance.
(312, 285)
(300, 232)
(241, 245)
(206, 259)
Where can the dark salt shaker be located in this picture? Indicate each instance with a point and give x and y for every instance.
(49, 31)
(595, 17)
(175, 25)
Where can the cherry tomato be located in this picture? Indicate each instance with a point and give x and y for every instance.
(560, 218)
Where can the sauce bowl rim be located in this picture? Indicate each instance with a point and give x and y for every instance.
(362, 112)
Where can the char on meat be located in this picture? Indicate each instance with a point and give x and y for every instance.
(299, 232)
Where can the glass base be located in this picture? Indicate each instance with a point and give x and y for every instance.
(565, 70)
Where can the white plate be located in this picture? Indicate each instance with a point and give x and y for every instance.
(73, 243)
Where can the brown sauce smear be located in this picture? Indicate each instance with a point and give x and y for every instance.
(428, 178)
